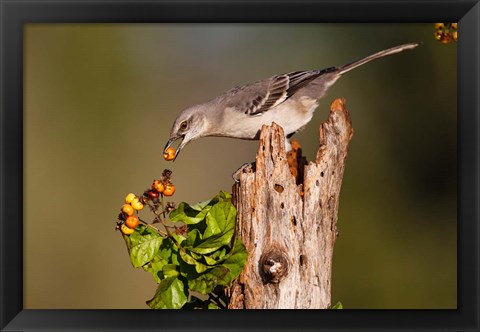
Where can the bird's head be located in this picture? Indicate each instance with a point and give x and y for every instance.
(189, 125)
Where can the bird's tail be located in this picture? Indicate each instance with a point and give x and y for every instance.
(381, 54)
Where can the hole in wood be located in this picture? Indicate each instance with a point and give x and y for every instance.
(278, 188)
(273, 266)
(321, 174)
(282, 206)
(317, 183)
(294, 221)
(303, 260)
(331, 202)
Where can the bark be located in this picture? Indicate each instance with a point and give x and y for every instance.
(289, 230)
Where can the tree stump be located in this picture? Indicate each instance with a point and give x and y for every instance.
(289, 230)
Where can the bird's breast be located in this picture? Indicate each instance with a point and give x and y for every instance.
(291, 115)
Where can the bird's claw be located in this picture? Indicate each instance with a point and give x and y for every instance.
(245, 168)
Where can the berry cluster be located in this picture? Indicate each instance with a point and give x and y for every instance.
(129, 221)
(152, 197)
(446, 32)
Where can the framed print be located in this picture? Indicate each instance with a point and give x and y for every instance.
(92, 96)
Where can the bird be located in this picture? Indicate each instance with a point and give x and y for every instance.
(288, 99)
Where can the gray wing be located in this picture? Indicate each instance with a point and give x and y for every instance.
(262, 96)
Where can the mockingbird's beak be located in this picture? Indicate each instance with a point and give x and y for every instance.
(180, 147)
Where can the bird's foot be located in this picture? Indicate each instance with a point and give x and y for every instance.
(245, 168)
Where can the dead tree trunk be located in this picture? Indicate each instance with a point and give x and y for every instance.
(290, 231)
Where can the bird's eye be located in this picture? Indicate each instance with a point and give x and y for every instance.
(184, 125)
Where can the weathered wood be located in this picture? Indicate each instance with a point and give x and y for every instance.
(290, 238)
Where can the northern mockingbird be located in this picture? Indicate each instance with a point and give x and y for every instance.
(288, 100)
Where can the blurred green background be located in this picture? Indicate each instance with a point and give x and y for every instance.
(99, 103)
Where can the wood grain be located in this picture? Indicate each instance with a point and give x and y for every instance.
(290, 229)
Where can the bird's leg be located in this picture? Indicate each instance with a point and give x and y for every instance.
(245, 168)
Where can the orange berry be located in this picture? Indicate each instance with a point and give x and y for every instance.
(136, 204)
(128, 209)
(129, 198)
(438, 34)
(132, 222)
(169, 154)
(169, 190)
(125, 230)
(158, 186)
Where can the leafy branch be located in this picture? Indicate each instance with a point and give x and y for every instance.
(196, 254)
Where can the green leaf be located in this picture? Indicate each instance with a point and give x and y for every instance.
(224, 274)
(170, 270)
(200, 206)
(219, 232)
(170, 294)
(193, 214)
(199, 267)
(145, 250)
(210, 261)
(236, 258)
(174, 259)
(226, 196)
(188, 214)
(166, 249)
(166, 253)
(207, 281)
(220, 220)
(222, 196)
(134, 238)
(186, 270)
(219, 254)
(179, 238)
(193, 238)
(216, 257)
(212, 244)
(198, 257)
(155, 268)
(212, 305)
(339, 305)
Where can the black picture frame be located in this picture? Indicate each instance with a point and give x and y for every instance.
(15, 13)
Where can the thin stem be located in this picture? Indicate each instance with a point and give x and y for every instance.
(159, 216)
(153, 227)
(163, 206)
(216, 300)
